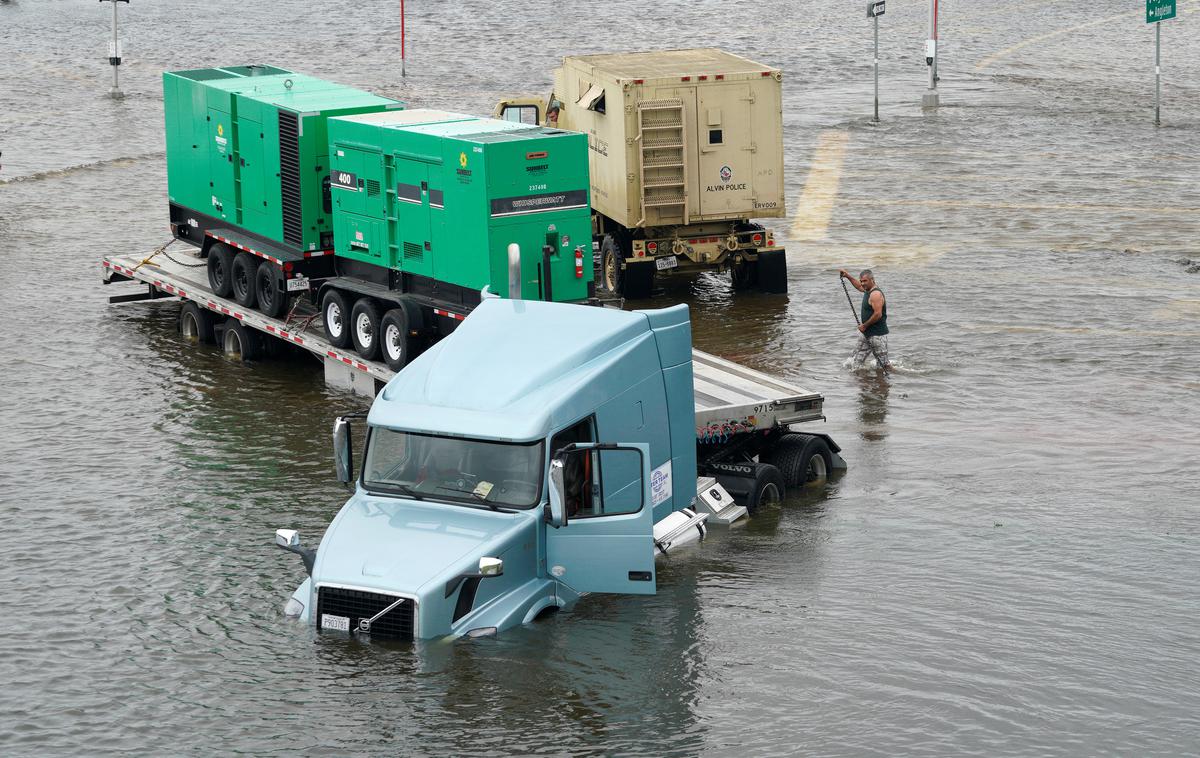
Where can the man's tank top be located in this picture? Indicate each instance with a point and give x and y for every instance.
(880, 327)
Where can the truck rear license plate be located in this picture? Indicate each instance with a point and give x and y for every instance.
(299, 284)
(666, 262)
(337, 623)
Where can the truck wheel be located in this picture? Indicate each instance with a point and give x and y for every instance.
(240, 342)
(242, 274)
(768, 487)
(220, 273)
(196, 324)
(364, 328)
(272, 300)
(396, 341)
(744, 275)
(803, 459)
(610, 266)
(335, 315)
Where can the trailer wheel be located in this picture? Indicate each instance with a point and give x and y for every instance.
(610, 266)
(397, 342)
(768, 487)
(196, 324)
(744, 275)
(335, 315)
(803, 459)
(272, 300)
(242, 274)
(364, 328)
(241, 342)
(220, 273)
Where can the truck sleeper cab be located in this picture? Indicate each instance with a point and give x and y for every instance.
(512, 467)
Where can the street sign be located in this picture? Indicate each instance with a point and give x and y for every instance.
(875, 7)
(1159, 10)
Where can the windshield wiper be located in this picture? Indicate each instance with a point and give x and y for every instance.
(477, 498)
(403, 489)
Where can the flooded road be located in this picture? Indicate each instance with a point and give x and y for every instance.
(1009, 567)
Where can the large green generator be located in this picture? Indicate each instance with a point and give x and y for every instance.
(438, 197)
(247, 150)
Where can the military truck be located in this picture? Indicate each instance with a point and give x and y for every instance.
(685, 149)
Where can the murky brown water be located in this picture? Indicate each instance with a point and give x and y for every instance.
(1010, 566)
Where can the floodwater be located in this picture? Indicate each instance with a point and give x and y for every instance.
(1011, 565)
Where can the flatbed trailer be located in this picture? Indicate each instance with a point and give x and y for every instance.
(743, 417)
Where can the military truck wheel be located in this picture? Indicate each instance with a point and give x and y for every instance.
(240, 342)
(245, 266)
(196, 324)
(802, 459)
(768, 487)
(364, 328)
(398, 344)
(335, 315)
(272, 299)
(220, 270)
(610, 266)
(744, 275)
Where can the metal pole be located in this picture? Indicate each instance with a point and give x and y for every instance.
(930, 98)
(876, 119)
(402, 72)
(116, 54)
(514, 271)
(1157, 73)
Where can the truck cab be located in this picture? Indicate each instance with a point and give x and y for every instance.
(512, 467)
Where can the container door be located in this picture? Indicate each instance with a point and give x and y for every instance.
(220, 164)
(359, 207)
(607, 542)
(255, 205)
(412, 217)
(725, 143)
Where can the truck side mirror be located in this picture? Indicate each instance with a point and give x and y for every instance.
(556, 511)
(343, 452)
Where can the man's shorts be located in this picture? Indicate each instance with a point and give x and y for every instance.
(868, 347)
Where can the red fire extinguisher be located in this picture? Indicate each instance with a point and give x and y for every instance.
(579, 263)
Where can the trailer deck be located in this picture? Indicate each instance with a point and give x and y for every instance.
(729, 398)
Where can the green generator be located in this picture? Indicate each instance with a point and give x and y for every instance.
(427, 202)
(248, 168)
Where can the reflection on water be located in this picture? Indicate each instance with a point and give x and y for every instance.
(873, 391)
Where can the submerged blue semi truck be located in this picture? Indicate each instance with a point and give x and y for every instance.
(541, 452)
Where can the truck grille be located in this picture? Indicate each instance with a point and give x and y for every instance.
(289, 178)
(359, 604)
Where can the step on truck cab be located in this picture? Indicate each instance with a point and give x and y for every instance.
(541, 452)
(517, 464)
(685, 150)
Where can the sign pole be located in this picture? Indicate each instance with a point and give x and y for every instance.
(876, 119)
(1157, 73)
(402, 72)
(930, 98)
(114, 52)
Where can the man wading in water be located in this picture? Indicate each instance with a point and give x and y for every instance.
(874, 328)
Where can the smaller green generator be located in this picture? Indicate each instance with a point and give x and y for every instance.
(434, 199)
(247, 151)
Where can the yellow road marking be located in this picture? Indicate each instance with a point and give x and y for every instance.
(815, 207)
(1058, 33)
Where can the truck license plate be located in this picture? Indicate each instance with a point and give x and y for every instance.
(299, 284)
(337, 623)
(666, 262)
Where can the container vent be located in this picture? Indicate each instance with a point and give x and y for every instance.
(413, 251)
(372, 188)
(289, 178)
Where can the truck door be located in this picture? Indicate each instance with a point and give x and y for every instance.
(725, 161)
(220, 164)
(415, 242)
(606, 540)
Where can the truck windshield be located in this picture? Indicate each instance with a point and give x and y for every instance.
(453, 469)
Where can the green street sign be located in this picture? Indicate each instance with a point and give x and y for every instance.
(1159, 10)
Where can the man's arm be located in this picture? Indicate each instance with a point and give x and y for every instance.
(876, 301)
(846, 275)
